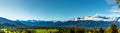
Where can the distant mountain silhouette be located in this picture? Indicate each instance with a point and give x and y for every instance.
(9, 23)
(78, 23)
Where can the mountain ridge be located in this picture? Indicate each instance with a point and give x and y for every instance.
(81, 22)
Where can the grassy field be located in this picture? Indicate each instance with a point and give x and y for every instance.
(112, 29)
(46, 30)
(29, 31)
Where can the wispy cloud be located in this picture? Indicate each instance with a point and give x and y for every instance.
(110, 1)
(114, 12)
(115, 9)
(109, 15)
(114, 15)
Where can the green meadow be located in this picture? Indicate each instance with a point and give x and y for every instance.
(46, 30)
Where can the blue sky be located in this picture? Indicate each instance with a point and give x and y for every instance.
(55, 9)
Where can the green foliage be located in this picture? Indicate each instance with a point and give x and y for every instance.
(111, 29)
(118, 30)
(100, 30)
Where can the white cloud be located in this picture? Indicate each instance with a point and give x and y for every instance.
(115, 9)
(114, 12)
(109, 15)
(113, 15)
(110, 1)
(99, 14)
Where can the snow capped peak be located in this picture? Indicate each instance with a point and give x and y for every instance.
(95, 18)
(75, 19)
(91, 18)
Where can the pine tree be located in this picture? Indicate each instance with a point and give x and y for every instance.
(114, 28)
(111, 29)
(101, 30)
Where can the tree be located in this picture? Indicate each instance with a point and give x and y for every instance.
(82, 30)
(72, 31)
(111, 29)
(30, 31)
(100, 30)
(119, 30)
(118, 2)
(90, 31)
(2, 32)
(114, 28)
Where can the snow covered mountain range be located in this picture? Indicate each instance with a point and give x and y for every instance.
(95, 18)
(89, 21)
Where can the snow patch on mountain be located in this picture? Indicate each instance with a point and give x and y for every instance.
(95, 18)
